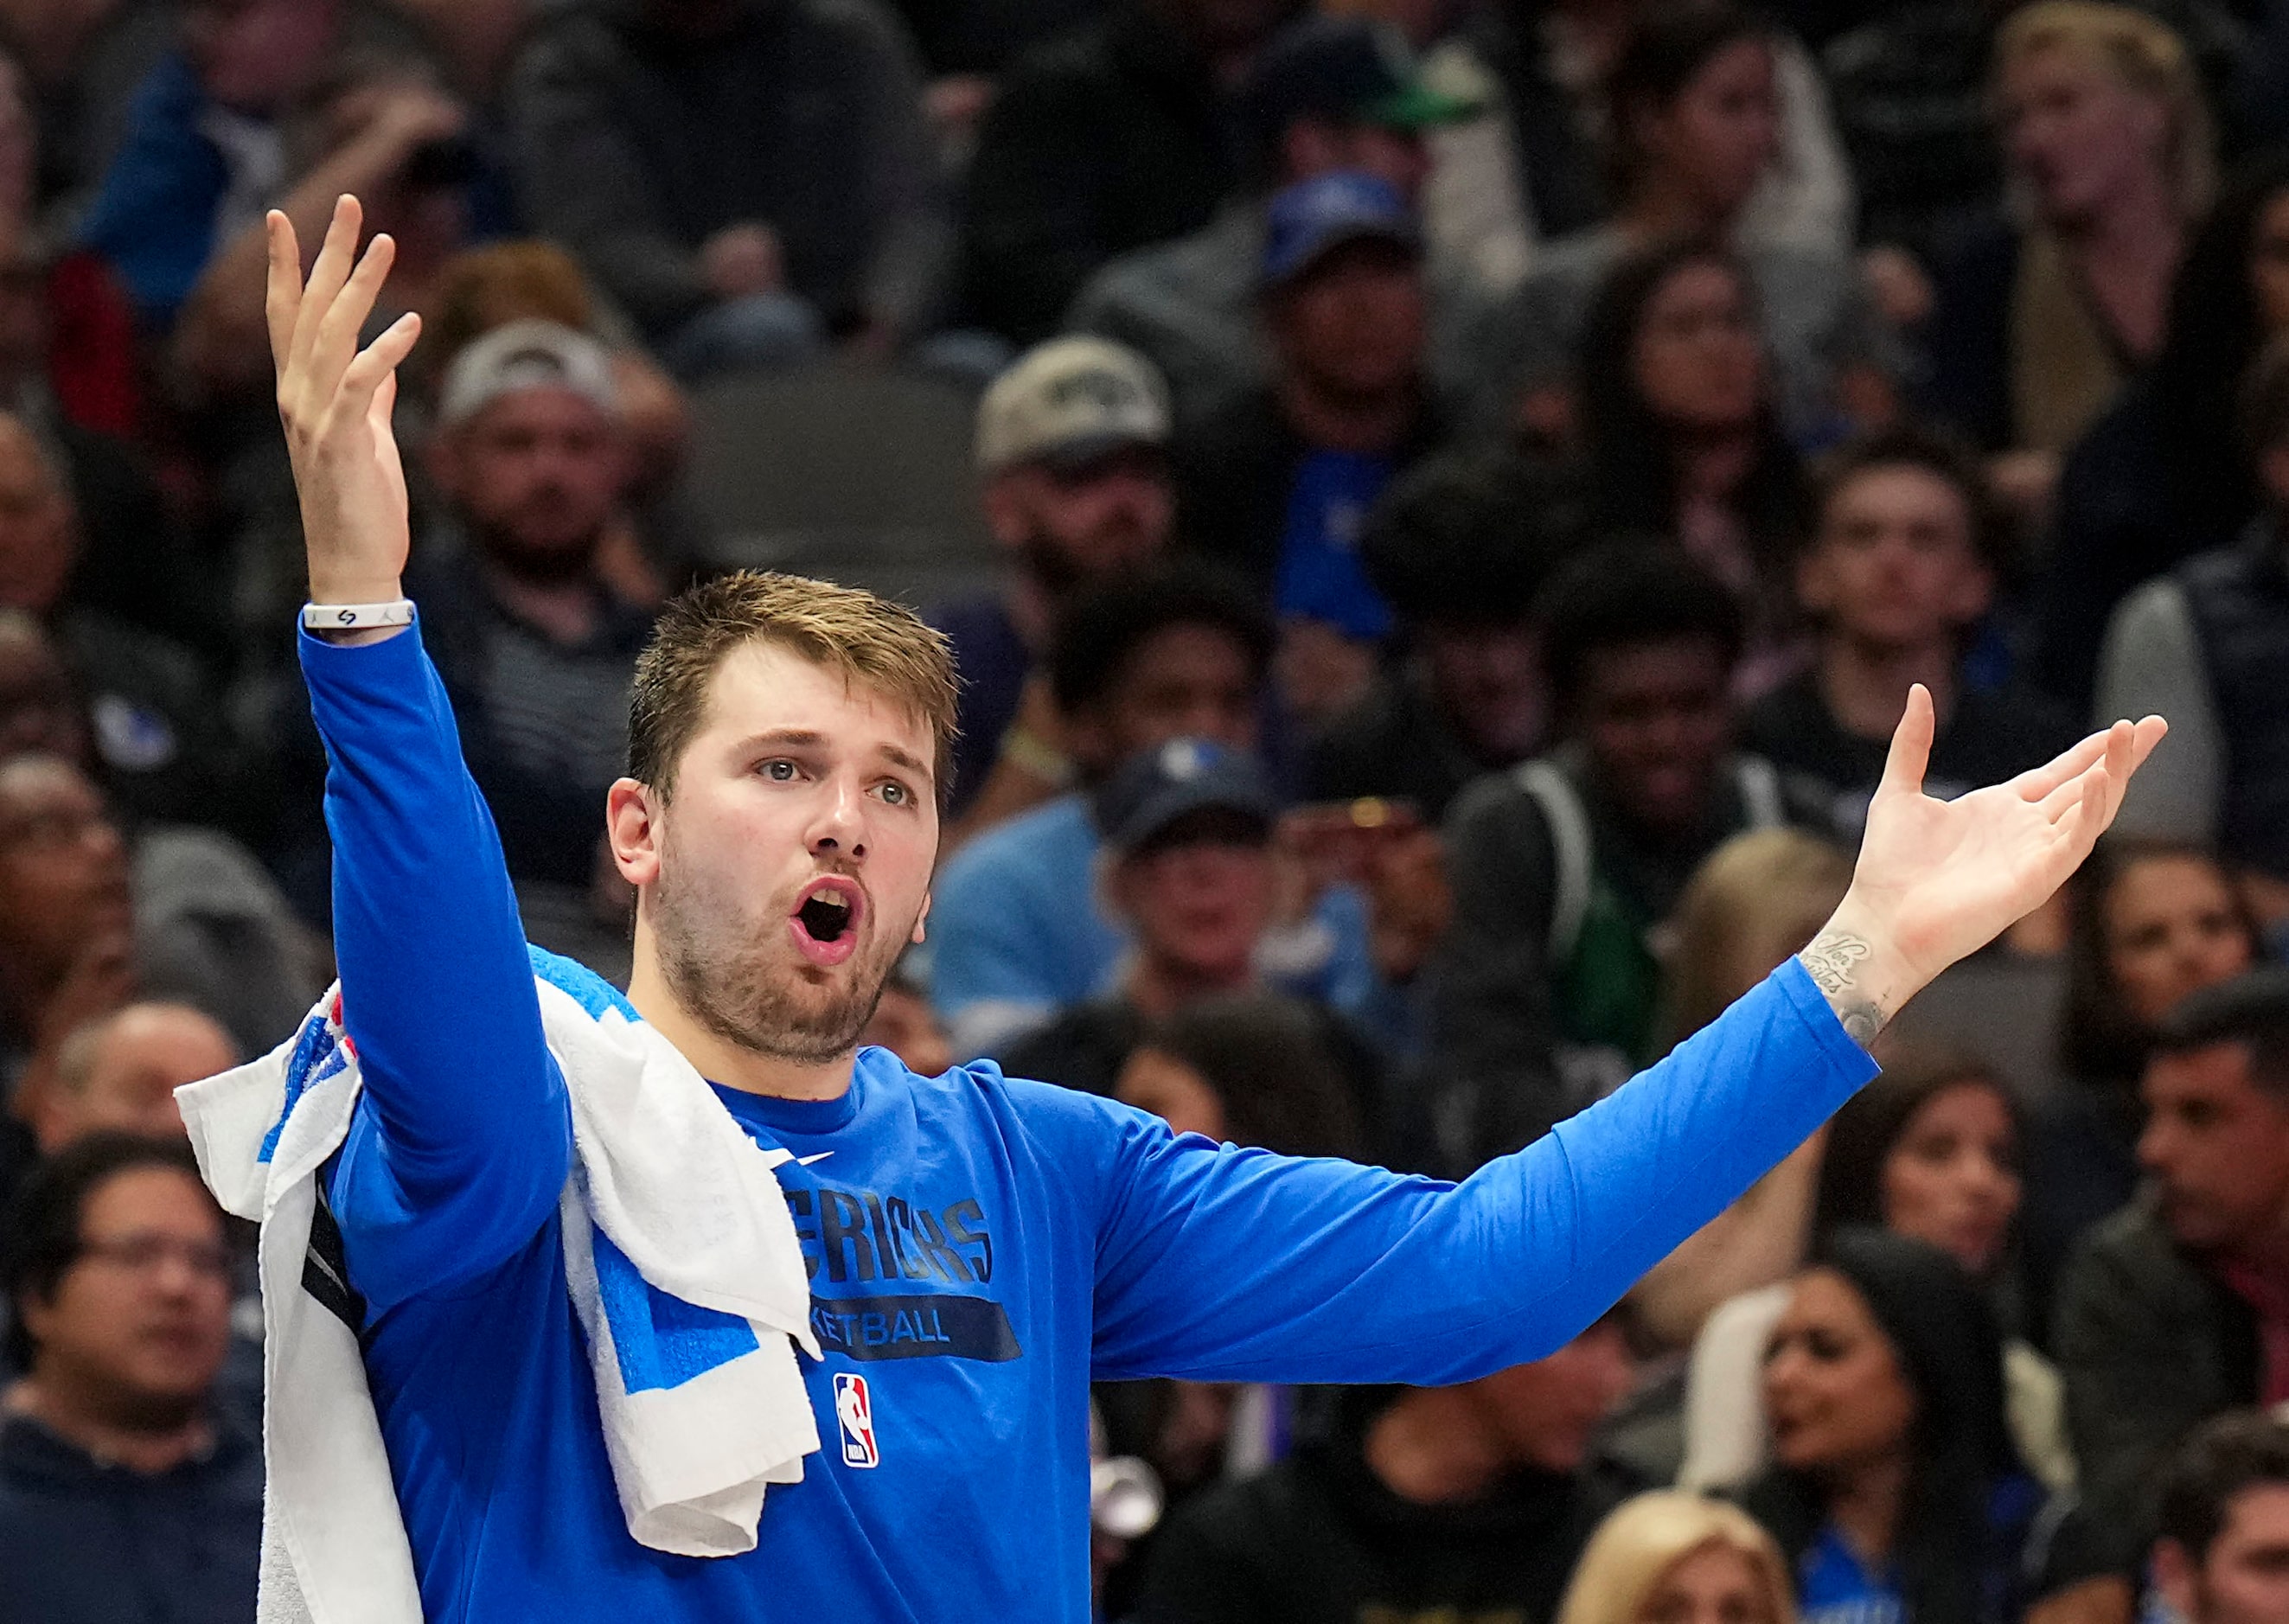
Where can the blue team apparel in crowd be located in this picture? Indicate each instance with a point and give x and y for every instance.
(978, 1248)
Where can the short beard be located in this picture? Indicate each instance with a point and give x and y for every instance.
(723, 976)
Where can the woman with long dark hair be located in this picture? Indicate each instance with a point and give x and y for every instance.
(1896, 1490)
(1680, 434)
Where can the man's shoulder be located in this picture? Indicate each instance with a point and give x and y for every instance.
(2132, 1256)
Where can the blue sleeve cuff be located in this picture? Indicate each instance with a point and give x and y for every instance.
(1836, 1047)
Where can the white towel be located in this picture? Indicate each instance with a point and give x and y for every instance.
(669, 1202)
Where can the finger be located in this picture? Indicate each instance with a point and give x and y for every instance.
(283, 299)
(2063, 800)
(1912, 743)
(2148, 732)
(327, 273)
(335, 343)
(376, 366)
(2037, 783)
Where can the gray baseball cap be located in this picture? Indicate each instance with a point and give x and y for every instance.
(1069, 400)
(530, 354)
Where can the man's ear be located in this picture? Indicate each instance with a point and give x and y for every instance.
(921, 921)
(631, 824)
(2174, 1575)
(444, 460)
(1004, 507)
(1975, 591)
(1815, 592)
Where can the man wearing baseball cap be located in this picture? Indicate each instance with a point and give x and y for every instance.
(1277, 483)
(1329, 93)
(529, 459)
(1072, 454)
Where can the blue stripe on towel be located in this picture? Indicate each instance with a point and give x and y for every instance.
(317, 1055)
(662, 1341)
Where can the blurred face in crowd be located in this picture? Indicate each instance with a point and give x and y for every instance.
(1893, 568)
(2171, 929)
(63, 866)
(790, 864)
(127, 1076)
(1173, 1091)
(1183, 681)
(1655, 719)
(1069, 525)
(1311, 147)
(1715, 1584)
(2244, 1576)
(139, 1325)
(2078, 135)
(1952, 1178)
(2269, 265)
(257, 56)
(1715, 139)
(2217, 1143)
(1199, 895)
(1351, 325)
(904, 1025)
(39, 531)
(1834, 1391)
(39, 707)
(1488, 682)
(537, 474)
(1698, 358)
(1545, 1414)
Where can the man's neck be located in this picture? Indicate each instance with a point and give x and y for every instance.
(1367, 424)
(86, 1425)
(1864, 685)
(716, 1058)
(1157, 987)
(1432, 1447)
(565, 609)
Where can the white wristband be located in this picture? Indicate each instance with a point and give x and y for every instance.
(357, 616)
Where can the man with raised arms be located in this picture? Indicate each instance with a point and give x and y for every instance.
(979, 1247)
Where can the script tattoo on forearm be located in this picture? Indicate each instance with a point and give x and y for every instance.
(1834, 959)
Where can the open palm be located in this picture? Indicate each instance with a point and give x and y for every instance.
(1948, 877)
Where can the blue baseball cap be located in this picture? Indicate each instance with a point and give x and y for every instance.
(1308, 219)
(1155, 788)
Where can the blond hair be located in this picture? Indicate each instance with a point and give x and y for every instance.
(2141, 53)
(1645, 1539)
(1753, 901)
(874, 644)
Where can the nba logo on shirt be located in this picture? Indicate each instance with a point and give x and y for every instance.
(854, 1408)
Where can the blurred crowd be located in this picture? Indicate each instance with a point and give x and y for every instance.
(1453, 496)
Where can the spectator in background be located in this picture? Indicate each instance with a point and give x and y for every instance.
(1072, 447)
(1929, 1150)
(1277, 483)
(1457, 1502)
(2170, 1310)
(1547, 985)
(1458, 547)
(118, 1073)
(151, 701)
(2211, 642)
(1139, 660)
(745, 177)
(1329, 94)
(208, 138)
(1669, 1558)
(1694, 122)
(1895, 1489)
(905, 1023)
(1113, 138)
(2038, 323)
(2224, 1556)
(536, 649)
(1189, 870)
(127, 1495)
(2161, 475)
(1754, 904)
(2153, 924)
(1900, 567)
(1679, 436)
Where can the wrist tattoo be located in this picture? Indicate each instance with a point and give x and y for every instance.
(1834, 959)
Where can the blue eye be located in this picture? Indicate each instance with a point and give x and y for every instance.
(895, 794)
(778, 772)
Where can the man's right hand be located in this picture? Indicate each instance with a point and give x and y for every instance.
(335, 400)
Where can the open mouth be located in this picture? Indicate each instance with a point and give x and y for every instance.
(825, 921)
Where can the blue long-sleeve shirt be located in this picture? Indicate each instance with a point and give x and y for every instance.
(980, 1248)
